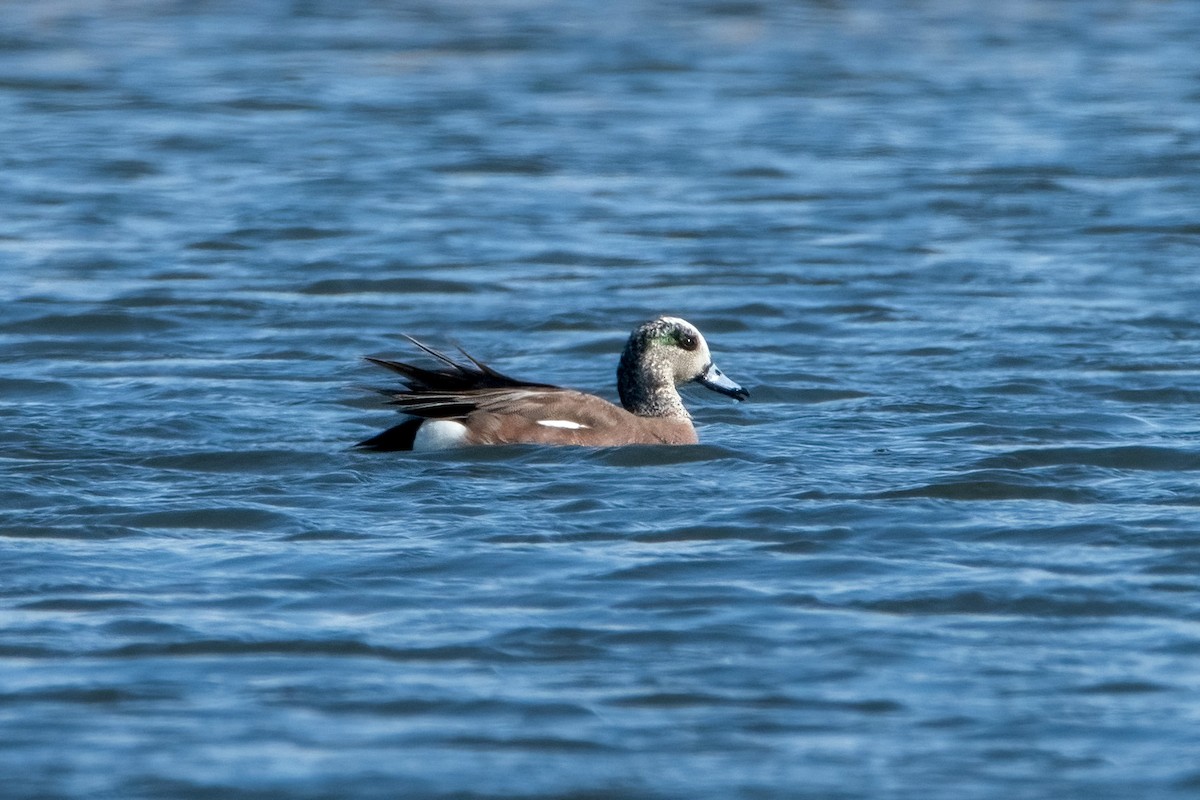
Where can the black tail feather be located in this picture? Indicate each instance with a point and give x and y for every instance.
(397, 437)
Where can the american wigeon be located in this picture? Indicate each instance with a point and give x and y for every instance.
(473, 404)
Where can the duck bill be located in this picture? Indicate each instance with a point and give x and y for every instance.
(713, 378)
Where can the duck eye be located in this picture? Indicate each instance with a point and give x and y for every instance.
(688, 342)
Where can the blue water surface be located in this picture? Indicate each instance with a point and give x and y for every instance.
(949, 549)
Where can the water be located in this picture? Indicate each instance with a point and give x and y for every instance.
(949, 549)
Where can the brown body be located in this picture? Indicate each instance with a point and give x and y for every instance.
(603, 424)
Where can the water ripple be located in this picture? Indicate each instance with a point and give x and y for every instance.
(947, 550)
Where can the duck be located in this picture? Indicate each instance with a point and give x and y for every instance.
(463, 404)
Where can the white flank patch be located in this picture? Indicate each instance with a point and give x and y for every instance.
(439, 434)
(561, 423)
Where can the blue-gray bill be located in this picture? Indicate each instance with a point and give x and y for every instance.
(713, 378)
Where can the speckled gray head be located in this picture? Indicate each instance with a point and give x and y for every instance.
(660, 355)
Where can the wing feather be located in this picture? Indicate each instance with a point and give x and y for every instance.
(456, 390)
